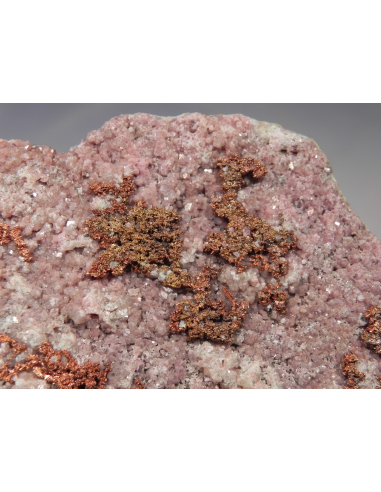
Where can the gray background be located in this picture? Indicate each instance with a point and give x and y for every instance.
(349, 134)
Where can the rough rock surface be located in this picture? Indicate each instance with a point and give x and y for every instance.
(334, 273)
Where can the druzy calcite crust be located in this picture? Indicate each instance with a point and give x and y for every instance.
(333, 273)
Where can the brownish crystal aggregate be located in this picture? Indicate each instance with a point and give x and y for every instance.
(353, 376)
(4, 233)
(145, 239)
(371, 335)
(148, 240)
(7, 235)
(233, 169)
(207, 319)
(58, 368)
(247, 236)
(139, 384)
(271, 293)
(248, 239)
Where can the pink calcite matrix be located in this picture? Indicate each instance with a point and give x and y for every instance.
(334, 273)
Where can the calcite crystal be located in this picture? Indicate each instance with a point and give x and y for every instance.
(332, 280)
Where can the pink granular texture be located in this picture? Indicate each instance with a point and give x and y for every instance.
(334, 273)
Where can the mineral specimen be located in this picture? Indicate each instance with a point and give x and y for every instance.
(328, 267)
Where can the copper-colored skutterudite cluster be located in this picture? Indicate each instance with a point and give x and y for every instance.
(139, 384)
(204, 318)
(7, 235)
(145, 239)
(353, 376)
(149, 241)
(248, 239)
(58, 368)
(371, 335)
(271, 293)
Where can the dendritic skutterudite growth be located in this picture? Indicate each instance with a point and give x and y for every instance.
(353, 376)
(271, 293)
(371, 335)
(148, 240)
(145, 239)
(204, 318)
(58, 368)
(7, 235)
(248, 239)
